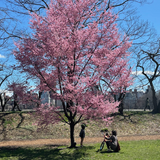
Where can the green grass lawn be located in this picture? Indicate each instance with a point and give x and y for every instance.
(130, 150)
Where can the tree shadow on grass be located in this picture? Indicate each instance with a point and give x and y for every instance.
(44, 153)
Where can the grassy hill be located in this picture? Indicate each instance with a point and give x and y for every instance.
(19, 126)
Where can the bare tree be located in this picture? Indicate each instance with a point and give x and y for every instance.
(5, 73)
(149, 63)
(3, 100)
(26, 6)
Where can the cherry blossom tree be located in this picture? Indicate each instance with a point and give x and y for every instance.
(74, 46)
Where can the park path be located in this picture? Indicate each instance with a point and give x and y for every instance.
(43, 142)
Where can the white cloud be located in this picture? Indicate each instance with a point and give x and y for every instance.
(1, 56)
(140, 73)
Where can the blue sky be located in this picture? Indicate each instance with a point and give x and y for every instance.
(151, 12)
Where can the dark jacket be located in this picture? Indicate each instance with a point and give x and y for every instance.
(114, 141)
(82, 133)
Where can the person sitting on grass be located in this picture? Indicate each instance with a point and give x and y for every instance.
(112, 142)
(82, 134)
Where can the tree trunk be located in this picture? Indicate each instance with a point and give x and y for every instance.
(13, 108)
(2, 108)
(158, 111)
(154, 99)
(120, 99)
(18, 108)
(39, 99)
(16, 104)
(120, 108)
(73, 144)
(155, 110)
(1, 102)
(156, 107)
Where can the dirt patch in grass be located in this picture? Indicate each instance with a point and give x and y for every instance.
(66, 141)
